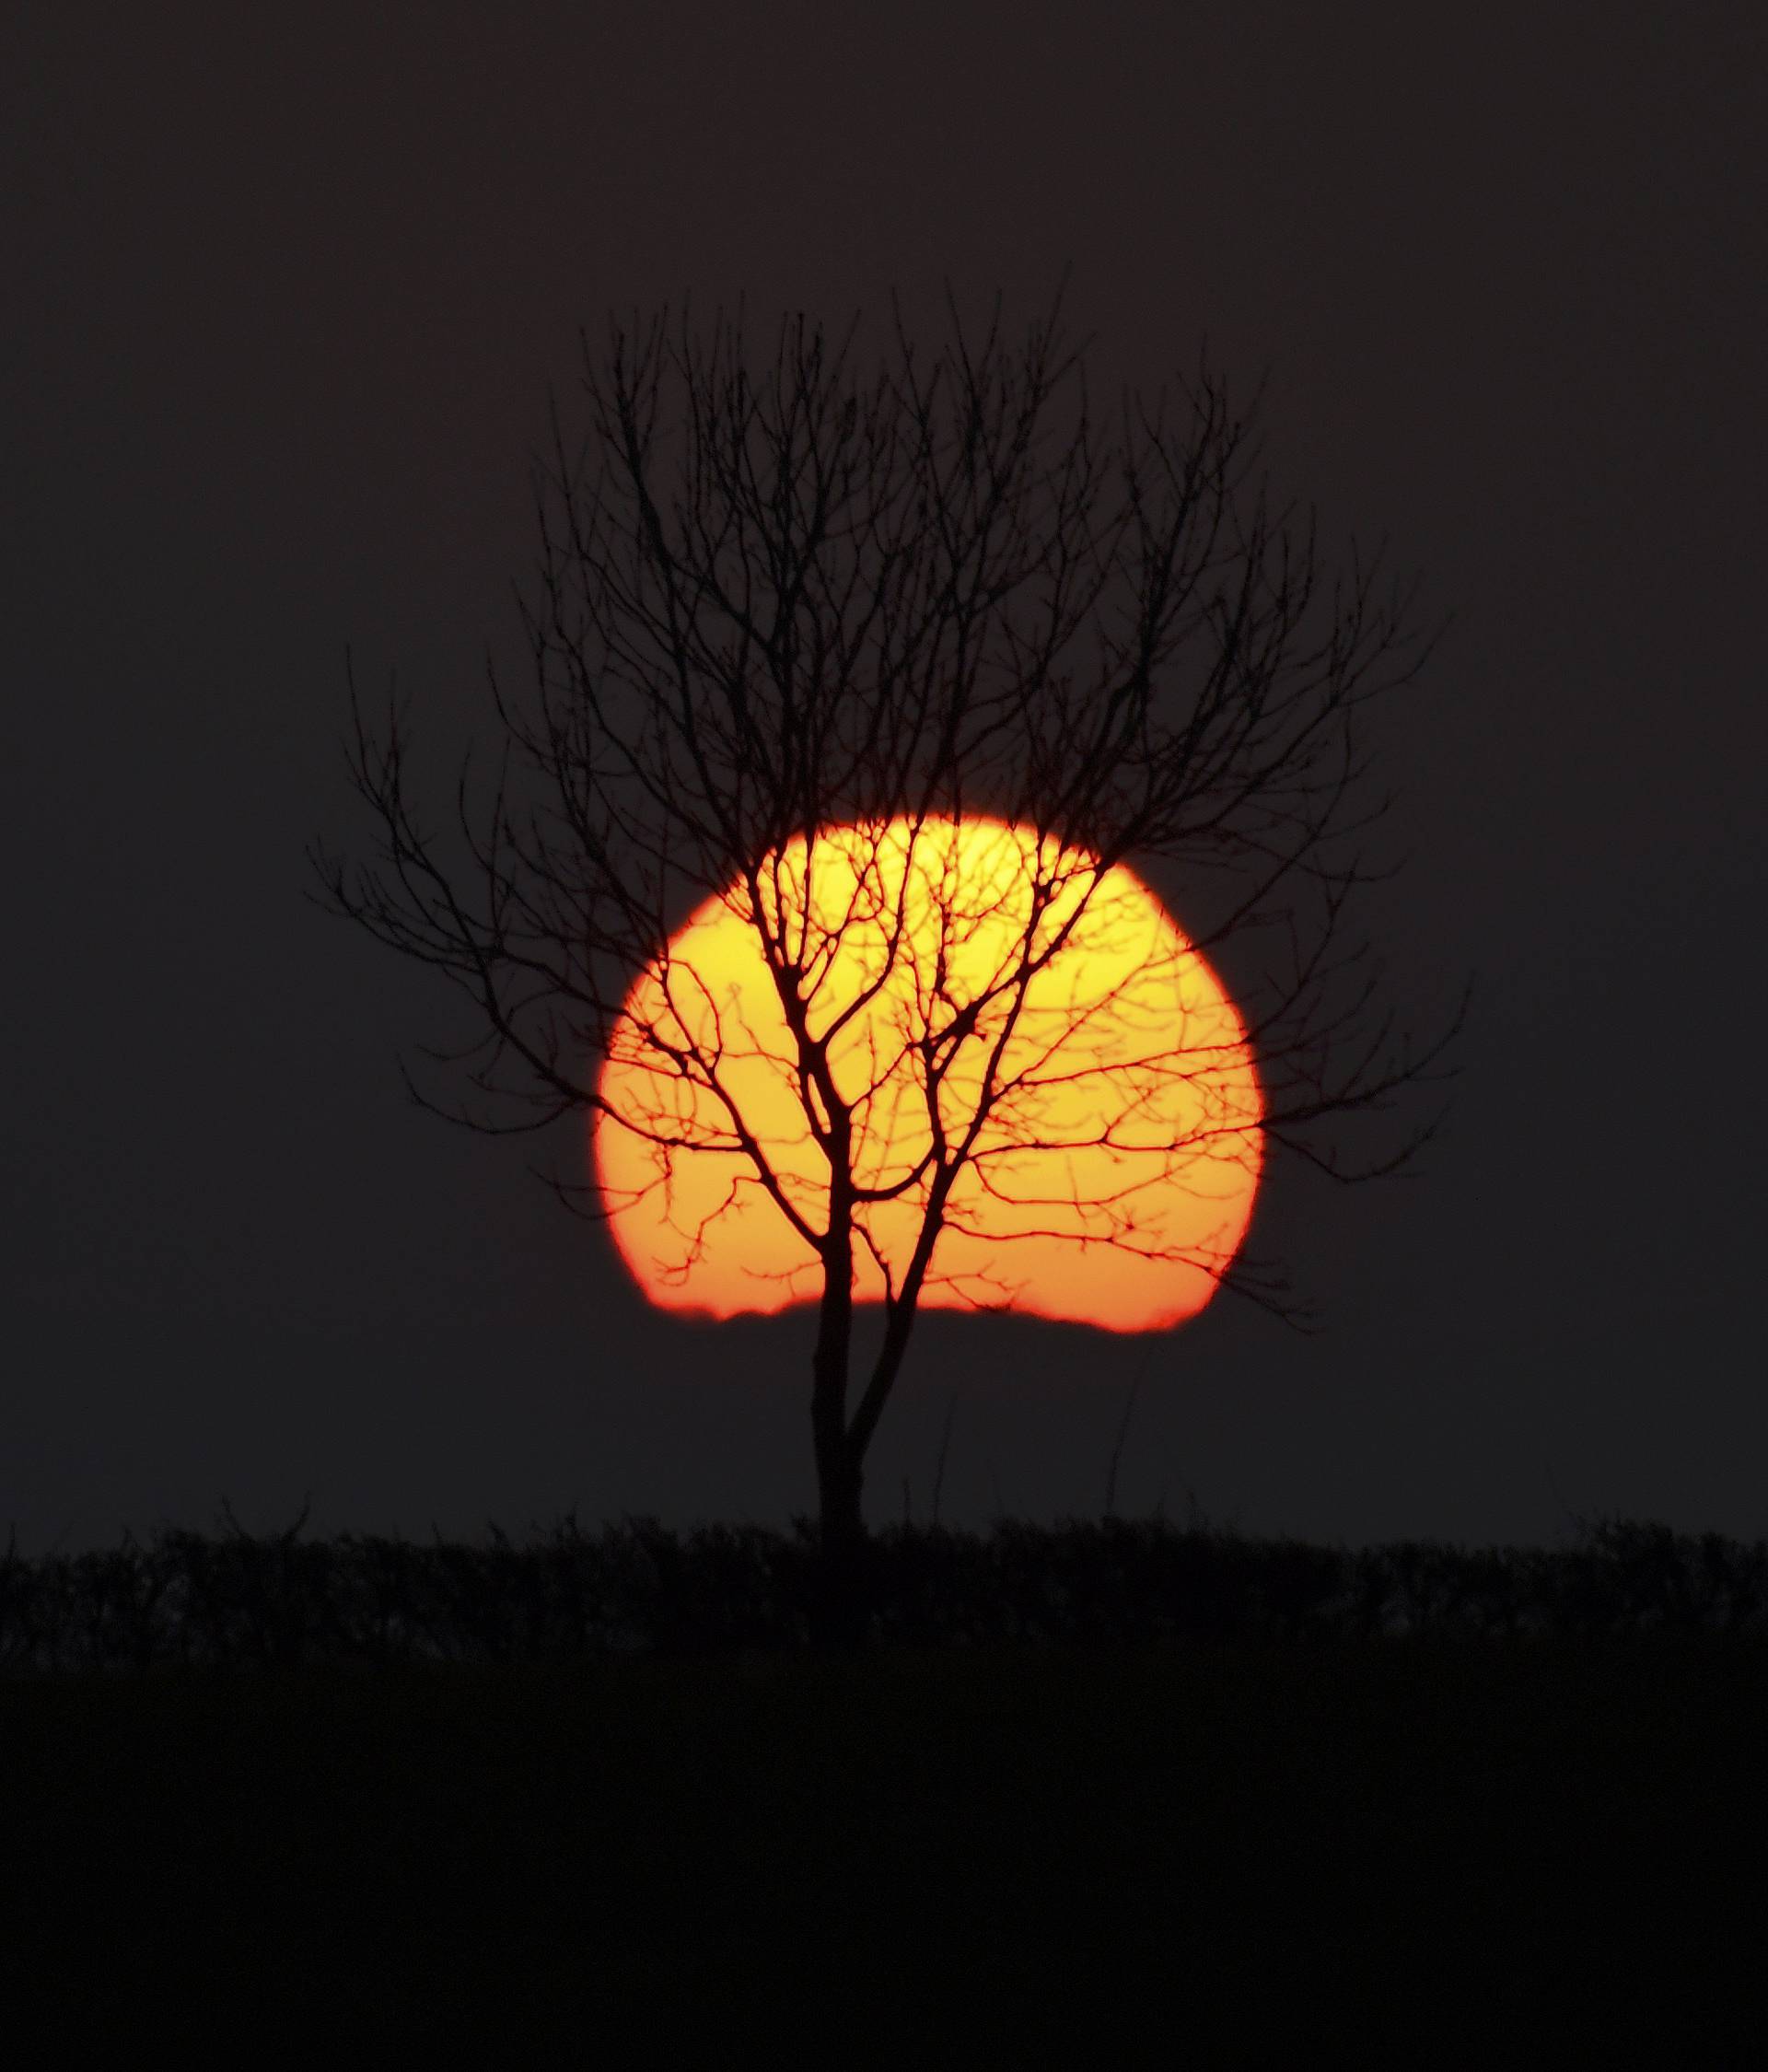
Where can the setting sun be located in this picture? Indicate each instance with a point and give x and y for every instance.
(976, 986)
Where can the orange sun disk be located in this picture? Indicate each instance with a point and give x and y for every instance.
(1111, 1182)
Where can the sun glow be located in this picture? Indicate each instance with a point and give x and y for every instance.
(953, 966)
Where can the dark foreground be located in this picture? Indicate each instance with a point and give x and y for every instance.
(1413, 1853)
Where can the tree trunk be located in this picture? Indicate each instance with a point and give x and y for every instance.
(841, 1606)
(839, 1610)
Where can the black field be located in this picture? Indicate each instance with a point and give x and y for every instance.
(1398, 1852)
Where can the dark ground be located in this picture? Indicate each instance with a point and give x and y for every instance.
(1407, 1853)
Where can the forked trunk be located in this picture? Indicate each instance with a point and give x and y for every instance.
(846, 1596)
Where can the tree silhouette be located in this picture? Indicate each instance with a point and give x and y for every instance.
(803, 631)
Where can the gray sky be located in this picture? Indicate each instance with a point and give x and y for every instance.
(283, 301)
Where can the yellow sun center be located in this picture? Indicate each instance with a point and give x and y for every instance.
(975, 987)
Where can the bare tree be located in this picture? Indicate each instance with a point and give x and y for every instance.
(799, 621)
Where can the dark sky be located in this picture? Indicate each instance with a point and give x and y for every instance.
(283, 293)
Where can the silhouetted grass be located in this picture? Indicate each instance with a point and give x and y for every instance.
(231, 1600)
(1115, 1791)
